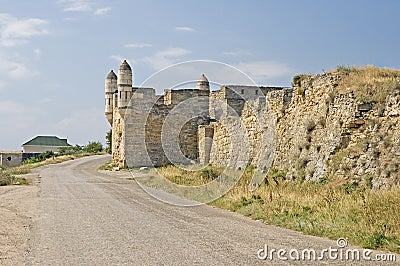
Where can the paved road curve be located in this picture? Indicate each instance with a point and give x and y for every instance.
(89, 217)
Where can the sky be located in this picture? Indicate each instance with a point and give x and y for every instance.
(55, 54)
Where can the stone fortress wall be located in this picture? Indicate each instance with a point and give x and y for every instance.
(311, 131)
(188, 126)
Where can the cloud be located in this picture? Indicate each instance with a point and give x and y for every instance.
(82, 126)
(102, 11)
(137, 45)
(76, 5)
(83, 6)
(17, 116)
(45, 100)
(118, 58)
(237, 53)
(15, 31)
(70, 19)
(262, 71)
(165, 57)
(37, 52)
(3, 85)
(188, 29)
(15, 69)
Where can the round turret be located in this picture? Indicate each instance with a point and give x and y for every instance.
(110, 88)
(202, 83)
(124, 83)
(111, 82)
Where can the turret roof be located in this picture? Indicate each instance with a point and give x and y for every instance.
(125, 66)
(111, 75)
(203, 78)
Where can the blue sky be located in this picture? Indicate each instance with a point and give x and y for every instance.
(54, 55)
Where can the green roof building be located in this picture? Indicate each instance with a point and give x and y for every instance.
(42, 144)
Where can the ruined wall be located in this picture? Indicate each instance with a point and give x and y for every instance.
(10, 159)
(318, 132)
(254, 120)
(256, 125)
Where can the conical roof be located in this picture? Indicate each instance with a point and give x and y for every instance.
(203, 78)
(125, 66)
(111, 75)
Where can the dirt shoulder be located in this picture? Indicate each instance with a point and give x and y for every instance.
(18, 211)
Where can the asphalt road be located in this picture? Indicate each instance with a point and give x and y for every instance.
(87, 217)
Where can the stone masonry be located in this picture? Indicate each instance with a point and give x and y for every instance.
(183, 126)
(315, 130)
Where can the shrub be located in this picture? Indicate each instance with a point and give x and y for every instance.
(297, 80)
(43, 156)
(209, 174)
(71, 150)
(93, 147)
(344, 69)
(109, 141)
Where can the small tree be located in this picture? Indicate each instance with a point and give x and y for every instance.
(94, 147)
(109, 141)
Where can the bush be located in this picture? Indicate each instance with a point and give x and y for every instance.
(70, 150)
(94, 147)
(8, 179)
(296, 82)
(46, 155)
(43, 156)
(345, 70)
(209, 174)
(109, 141)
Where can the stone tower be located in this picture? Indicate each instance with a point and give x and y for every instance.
(111, 88)
(203, 84)
(124, 83)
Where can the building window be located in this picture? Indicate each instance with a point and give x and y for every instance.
(126, 95)
(242, 91)
(256, 92)
(109, 101)
(120, 94)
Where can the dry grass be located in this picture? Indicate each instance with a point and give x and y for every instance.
(370, 218)
(369, 84)
(7, 179)
(189, 177)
